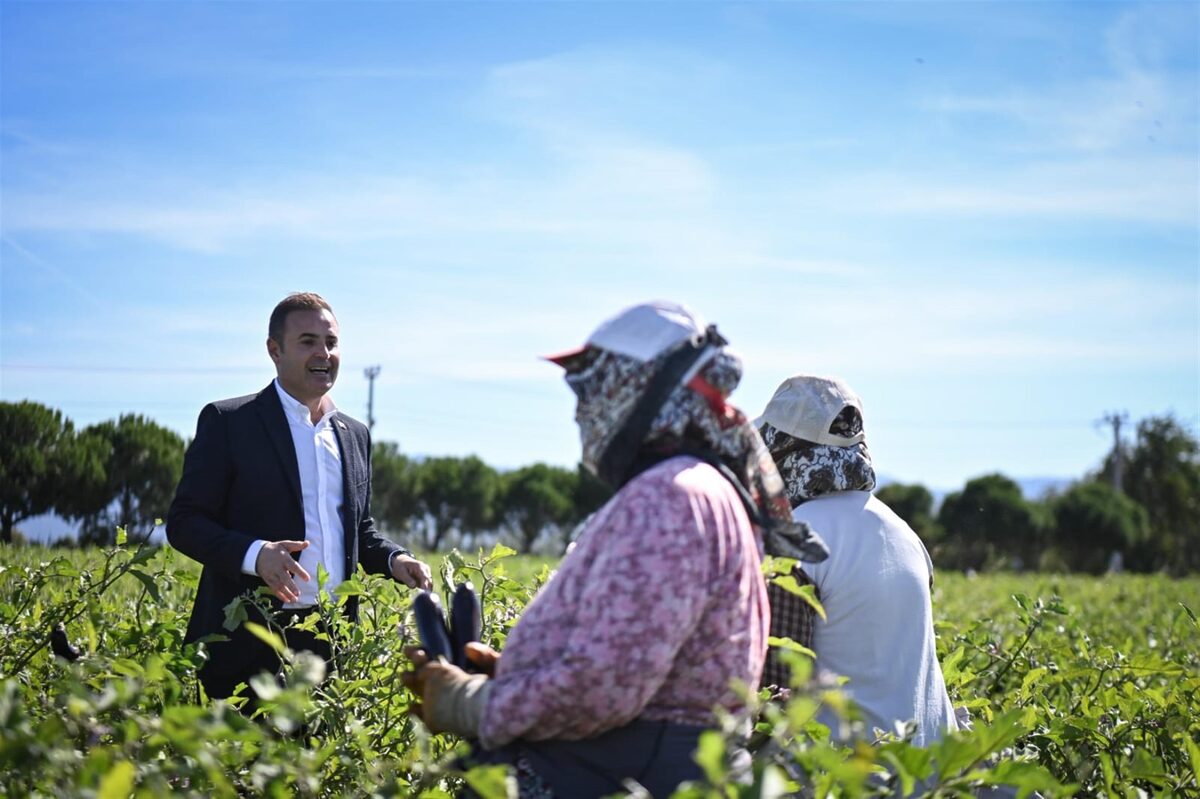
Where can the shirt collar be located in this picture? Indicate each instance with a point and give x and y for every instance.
(296, 409)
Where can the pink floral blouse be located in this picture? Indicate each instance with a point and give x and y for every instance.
(657, 610)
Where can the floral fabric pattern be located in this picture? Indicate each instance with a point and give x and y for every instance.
(657, 609)
(609, 386)
(811, 470)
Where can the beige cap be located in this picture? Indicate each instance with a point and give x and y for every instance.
(804, 406)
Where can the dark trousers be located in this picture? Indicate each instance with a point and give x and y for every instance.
(657, 754)
(220, 684)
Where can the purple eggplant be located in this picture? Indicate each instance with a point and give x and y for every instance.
(465, 623)
(431, 626)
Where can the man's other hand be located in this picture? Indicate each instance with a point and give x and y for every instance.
(412, 572)
(276, 566)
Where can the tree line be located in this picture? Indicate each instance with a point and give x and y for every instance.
(1150, 523)
(436, 503)
(123, 473)
(113, 474)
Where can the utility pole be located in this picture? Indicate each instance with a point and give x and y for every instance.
(371, 372)
(1118, 454)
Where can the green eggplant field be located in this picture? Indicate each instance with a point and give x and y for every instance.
(1078, 686)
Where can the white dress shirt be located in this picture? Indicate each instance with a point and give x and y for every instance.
(320, 463)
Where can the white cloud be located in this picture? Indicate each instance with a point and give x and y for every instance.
(976, 323)
(590, 93)
(1149, 189)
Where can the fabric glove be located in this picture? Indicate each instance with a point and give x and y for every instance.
(451, 700)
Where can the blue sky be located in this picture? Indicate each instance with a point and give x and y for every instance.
(984, 217)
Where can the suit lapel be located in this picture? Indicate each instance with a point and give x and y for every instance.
(351, 468)
(271, 411)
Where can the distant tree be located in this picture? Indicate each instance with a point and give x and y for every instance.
(914, 504)
(1162, 473)
(42, 463)
(459, 495)
(141, 469)
(395, 488)
(87, 501)
(537, 497)
(590, 494)
(1092, 520)
(987, 521)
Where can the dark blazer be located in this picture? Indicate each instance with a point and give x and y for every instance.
(241, 482)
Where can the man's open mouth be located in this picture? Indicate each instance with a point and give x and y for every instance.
(319, 370)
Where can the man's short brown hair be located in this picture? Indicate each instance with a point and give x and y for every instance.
(297, 301)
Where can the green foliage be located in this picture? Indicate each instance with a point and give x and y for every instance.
(808, 593)
(537, 497)
(141, 468)
(128, 715)
(1162, 474)
(123, 473)
(445, 501)
(914, 504)
(1092, 689)
(988, 523)
(40, 459)
(1111, 669)
(457, 495)
(1091, 520)
(590, 492)
(395, 488)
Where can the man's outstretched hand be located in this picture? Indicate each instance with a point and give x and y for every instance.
(276, 566)
(411, 572)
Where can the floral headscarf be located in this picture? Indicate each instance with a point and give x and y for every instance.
(693, 419)
(811, 470)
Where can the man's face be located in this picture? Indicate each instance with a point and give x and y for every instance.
(307, 359)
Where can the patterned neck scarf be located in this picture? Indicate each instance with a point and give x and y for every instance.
(811, 470)
(693, 419)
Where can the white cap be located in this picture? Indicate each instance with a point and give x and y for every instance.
(642, 331)
(805, 406)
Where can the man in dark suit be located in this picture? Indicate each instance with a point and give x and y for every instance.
(275, 484)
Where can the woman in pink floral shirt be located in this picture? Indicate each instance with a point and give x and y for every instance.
(660, 610)
(653, 615)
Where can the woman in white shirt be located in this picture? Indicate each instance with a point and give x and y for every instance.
(875, 586)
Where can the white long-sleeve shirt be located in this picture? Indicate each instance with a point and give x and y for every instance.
(879, 625)
(320, 463)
